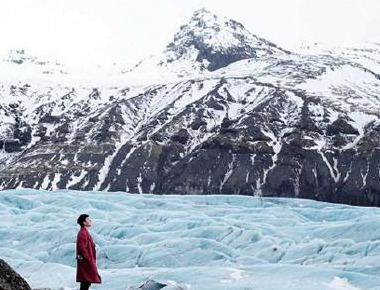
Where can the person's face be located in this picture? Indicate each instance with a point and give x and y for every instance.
(87, 222)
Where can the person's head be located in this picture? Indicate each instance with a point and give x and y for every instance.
(84, 220)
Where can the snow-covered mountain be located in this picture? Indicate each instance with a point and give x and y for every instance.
(218, 111)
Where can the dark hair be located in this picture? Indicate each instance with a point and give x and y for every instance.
(81, 219)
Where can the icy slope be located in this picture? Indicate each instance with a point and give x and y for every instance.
(198, 242)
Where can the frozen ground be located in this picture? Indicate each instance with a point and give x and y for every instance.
(198, 242)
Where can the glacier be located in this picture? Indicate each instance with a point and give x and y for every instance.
(192, 242)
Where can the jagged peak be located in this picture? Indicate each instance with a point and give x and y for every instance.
(202, 12)
(205, 24)
(206, 19)
(205, 15)
(216, 41)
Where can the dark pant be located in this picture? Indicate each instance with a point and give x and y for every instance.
(85, 285)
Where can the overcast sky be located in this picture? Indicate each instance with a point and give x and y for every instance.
(104, 31)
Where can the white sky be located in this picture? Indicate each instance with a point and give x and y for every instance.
(104, 31)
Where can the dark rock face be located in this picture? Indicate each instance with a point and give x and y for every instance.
(221, 59)
(50, 119)
(10, 280)
(341, 126)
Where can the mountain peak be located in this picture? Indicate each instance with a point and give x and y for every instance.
(216, 42)
(203, 16)
(200, 13)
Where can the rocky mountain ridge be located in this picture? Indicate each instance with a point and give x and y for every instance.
(225, 113)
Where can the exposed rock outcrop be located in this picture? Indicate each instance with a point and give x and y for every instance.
(10, 279)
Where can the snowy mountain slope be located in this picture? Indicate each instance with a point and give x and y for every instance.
(367, 54)
(271, 123)
(196, 242)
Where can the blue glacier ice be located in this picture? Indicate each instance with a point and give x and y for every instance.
(194, 242)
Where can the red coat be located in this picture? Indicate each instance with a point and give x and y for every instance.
(86, 258)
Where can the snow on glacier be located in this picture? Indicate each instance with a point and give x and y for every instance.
(198, 242)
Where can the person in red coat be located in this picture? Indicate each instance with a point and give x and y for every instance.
(87, 271)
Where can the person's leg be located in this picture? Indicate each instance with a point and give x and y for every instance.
(85, 285)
